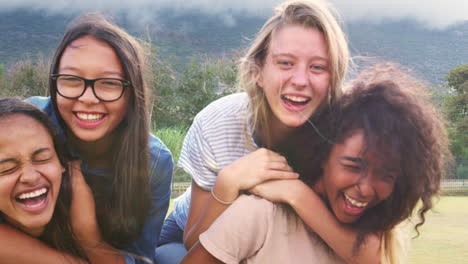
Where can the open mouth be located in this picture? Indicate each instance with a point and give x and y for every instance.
(86, 117)
(33, 199)
(295, 101)
(353, 206)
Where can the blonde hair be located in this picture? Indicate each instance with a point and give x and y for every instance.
(394, 245)
(316, 14)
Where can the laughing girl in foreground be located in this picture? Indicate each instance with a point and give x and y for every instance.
(35, 184)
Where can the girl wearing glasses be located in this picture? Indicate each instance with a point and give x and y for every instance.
(99, 103)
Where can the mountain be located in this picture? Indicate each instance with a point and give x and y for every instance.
(180, 35)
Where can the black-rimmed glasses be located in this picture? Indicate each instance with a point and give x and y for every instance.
(105, 89)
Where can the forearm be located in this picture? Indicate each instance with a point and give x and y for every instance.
(14, 244)
(103, 253)
(308, 205)
(208, 207)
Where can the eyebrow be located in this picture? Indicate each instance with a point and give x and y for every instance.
(40, 151)
(352, 159)
(274, 55)
(7, 160)
(105, 72)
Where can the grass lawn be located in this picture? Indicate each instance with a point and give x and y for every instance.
(444, 236)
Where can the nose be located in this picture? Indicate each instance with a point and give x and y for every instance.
(300, 77)
(88, 96)
(30, 175)
(365, 187)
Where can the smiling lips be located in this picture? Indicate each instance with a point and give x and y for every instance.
(353, 206)
(89, 120)
(33, 200)
(294, 102)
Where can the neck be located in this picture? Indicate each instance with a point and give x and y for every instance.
(278, 131)
(95, 152)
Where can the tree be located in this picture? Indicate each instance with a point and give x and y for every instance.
(456, 108)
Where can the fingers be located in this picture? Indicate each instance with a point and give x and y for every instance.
(280, 166)
(279, 175)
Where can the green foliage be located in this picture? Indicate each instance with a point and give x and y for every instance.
(180, 96)
(173, 138)
(26, 78)
(456, 108)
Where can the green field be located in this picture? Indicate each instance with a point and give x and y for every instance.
(444, 236)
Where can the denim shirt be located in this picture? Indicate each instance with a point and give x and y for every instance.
(161, 169)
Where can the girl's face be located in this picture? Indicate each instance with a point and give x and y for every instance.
(30, 173)
(295, 76)
(87, 117)
(352, 182)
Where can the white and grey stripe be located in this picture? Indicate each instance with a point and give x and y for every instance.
(216, 139)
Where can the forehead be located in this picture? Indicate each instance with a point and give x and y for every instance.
(90, 56)
(22, 131)
(299, 40)
(352, 145)
(373, 149)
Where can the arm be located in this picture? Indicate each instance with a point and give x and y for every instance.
(238, 234)
(84, 221)
(308, 205)
(15, 243)
(198, 254)
(243, 174)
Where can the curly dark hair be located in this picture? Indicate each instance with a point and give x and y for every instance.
(399, 124)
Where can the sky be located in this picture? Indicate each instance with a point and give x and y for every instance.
(431, 13)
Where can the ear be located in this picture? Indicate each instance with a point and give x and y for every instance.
(260, 79)
(318, 186)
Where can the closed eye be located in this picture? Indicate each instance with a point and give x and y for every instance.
(42, 155)
(8, 166)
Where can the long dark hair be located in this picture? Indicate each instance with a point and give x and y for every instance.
(123, 209)
(400, 124)
(58, 232)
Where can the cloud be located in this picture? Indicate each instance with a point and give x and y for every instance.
(432, 13)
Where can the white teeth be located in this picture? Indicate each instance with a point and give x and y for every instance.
(296, 99)
(354, 202)
(33, 194)
(89, 117)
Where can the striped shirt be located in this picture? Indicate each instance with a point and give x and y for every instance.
(216, 139)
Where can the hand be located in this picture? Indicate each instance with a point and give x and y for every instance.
(255, 168)
(83, 211)
(281, 191)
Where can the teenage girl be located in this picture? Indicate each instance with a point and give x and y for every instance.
(35, 184)
(295, 65)
(100, 105)
(383, 148)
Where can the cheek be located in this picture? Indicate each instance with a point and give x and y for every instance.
(384, 190)
(63, 105)
(7, 185)
(120, 108)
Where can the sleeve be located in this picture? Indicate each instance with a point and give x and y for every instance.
(161, 178)
(197, 157)
(240, 232)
